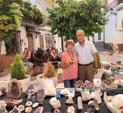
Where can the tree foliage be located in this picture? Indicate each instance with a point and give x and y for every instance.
(10, 15)
(68, 16)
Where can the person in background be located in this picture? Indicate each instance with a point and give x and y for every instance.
(86, 53)
(115, 47)
(69, 64)
(54, 56)
(26, 56)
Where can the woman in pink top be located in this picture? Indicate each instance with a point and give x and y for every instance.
(69, 64)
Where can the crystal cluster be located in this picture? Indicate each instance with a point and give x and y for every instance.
(40, 95)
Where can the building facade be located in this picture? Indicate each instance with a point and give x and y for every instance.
(113, 30)
(32, 36)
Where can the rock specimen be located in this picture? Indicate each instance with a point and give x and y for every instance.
(93, 103)
(31, 86)
(50, 71)
(105, 95)
(29, 103)
(117, 101)
(97, 95)
(21, 107)
(3, 107)
(69, 100)
(40, 95)
(35, 105)
(31, 93)
(15, 110)
(71, 109)
(96, 104)
(14, 89)
(64, 91)
(12, 102)
(28, 110)
(79, 82)
(57, 111)
(55, 103)
(2, 91)
(39, 110)
(79, 103)
(86, 95)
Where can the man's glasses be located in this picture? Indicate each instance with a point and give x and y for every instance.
(79, 35)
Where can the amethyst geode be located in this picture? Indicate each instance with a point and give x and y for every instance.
(31, 93)
(39, 110)
(15, 110)
(14, 89)
(40, 95)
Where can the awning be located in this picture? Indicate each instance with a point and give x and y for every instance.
(33, 31)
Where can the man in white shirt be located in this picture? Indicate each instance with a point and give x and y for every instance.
(86, 53)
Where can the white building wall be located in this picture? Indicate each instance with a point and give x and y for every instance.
(120, 26)
(110, 29)
(24, 40)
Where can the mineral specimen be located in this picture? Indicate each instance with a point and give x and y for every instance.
(2, 91)
(57, 111)
(28, 110)
(3, 107)
(15, 110)
(31, 93)
(96, 104)
(86, 95)
(39, 110)
(55, 103)
(71, 109)
(21, 107)
(40, 95)
(12, 102)
(31, 86)
(35, 105)
(79, 103)
(14, 89)
(69, 100)
(117, 101)
(29, 103)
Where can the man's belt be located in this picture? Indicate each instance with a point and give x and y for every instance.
(85, 64)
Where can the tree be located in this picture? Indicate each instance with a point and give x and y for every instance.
(10, 15)
(68, 16)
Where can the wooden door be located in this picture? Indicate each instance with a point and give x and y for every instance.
(30, 42)
(41, 42)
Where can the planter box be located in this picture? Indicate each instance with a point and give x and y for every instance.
(24, 82)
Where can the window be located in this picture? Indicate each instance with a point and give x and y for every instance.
(13, 45)
(48, 38)
(99, 36)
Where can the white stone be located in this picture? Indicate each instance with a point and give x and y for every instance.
(79, 103)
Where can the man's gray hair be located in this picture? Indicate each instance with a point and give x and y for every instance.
(79, 30)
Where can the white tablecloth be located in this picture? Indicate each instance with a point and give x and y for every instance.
(104, 56)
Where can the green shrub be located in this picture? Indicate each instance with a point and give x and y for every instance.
(17, 68)
(98, 60)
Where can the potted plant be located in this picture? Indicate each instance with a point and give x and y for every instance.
(49, 73)
(18, 72)
(99, 65)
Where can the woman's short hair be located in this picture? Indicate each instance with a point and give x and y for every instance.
(69, 42)
(52, 48)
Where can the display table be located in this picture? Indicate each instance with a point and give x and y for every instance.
(49, 109)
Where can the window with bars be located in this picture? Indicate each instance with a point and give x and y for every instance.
(48, 38)
(99, 36)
